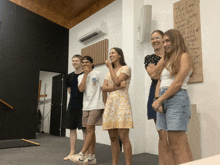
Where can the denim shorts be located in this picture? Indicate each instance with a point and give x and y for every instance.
(177, 112)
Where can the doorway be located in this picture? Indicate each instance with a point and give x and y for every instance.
(58, 106)
(52, 103)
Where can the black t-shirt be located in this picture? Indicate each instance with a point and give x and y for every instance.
(76, 97)
(154, 59)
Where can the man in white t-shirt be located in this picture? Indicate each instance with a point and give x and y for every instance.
(90, 84)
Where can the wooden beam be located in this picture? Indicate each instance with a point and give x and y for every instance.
(6, 104)
(31, 142)
(39, 89)
(45, 95)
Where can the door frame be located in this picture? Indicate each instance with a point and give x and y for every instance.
(64, 102)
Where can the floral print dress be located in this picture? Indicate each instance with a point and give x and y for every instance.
(117, 113)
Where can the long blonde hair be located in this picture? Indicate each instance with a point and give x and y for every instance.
(178, 47)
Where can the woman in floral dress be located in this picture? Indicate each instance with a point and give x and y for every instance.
(117, 117)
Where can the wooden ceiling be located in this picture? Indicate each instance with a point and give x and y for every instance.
(66, 13)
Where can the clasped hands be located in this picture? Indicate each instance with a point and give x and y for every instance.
(157, 105)
(123, 83)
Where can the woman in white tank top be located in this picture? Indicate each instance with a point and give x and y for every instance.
(172, 103)
(153, 66)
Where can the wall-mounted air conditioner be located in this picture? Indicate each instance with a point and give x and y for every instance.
(96, 32)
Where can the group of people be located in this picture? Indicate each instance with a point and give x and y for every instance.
(169, 67)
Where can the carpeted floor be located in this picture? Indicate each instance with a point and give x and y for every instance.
(53, 149)
(16, 143)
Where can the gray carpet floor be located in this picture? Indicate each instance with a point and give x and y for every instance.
(53, 149)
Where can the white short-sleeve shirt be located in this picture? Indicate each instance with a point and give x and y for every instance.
(92, 95)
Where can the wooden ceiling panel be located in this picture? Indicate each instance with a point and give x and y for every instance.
(82, 7)
(59, 7)
(90, 11)
(83, 3)
(56, 6)
(66, 13)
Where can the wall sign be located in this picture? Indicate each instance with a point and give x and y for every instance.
(187, 21)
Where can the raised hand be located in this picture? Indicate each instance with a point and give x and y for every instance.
(86, 70)
(108, 64)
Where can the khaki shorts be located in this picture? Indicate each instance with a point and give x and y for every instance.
(92, 117)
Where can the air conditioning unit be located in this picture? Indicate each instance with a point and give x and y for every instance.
(96, 32)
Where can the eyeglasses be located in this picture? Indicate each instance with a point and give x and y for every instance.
(155, 38)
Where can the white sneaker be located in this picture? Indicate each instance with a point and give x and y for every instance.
(72, 157)
(79, 158)
(90, 159)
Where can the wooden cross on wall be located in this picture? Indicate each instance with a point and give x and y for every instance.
(39, 89)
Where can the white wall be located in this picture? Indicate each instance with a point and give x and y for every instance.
(162, 17)
(206, 95)
(45, 102)
(134, 55)
(113, 16)
(122, 15)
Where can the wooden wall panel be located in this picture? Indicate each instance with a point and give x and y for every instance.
(98, 51)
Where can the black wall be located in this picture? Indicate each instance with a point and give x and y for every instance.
(28, 43)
